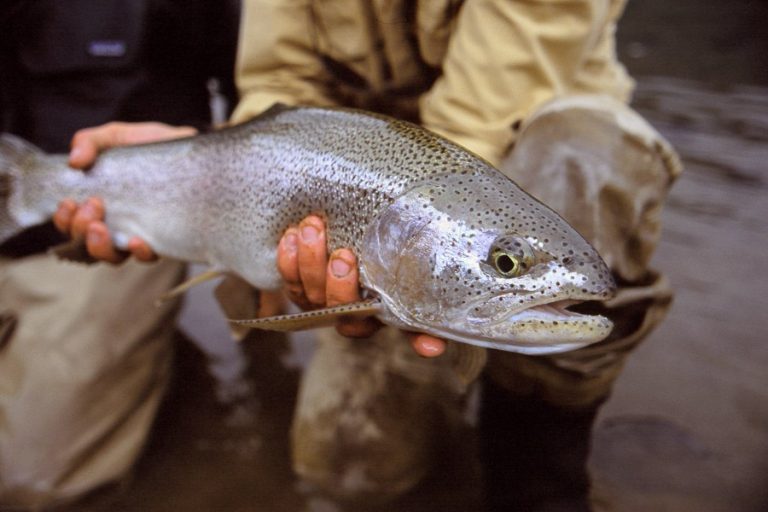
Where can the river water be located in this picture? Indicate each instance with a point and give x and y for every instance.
(687, 426)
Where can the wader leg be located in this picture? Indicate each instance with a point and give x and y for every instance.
(82, 374)
(367, 414)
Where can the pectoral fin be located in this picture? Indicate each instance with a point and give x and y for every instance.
(468, 362)
(237, 299)
(312, 319)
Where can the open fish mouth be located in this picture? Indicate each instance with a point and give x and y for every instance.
(555, 312)
(545, 328)
(552, 311)
(554, 323)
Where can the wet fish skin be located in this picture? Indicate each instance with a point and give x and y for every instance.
(422, 213)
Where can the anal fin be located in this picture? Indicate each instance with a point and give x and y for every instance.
(189, 283)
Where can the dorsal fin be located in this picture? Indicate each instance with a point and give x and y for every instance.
(274, 110)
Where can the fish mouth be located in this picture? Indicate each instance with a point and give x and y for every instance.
(555, 311)
(543, 328)
(567, 313)
(554, 324)
(548, 310)
(540, 329)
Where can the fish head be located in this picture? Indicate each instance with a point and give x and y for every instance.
(473, 258)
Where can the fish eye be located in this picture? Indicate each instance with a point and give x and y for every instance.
(511, 256)
(506, 264)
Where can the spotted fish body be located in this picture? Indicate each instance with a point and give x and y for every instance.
(427, 218)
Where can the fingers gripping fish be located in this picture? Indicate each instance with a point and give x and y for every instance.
(447, 244)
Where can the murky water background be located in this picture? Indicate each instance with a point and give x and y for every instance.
(687, 426)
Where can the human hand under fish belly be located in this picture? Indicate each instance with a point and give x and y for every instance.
(313, 278)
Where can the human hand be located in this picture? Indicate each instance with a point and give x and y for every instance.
(89, 142)
(85, 221)
(313, 279)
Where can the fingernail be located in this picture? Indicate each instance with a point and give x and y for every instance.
(309, 234)
(340, 268)
(87, 209)
(431, 348)
(94, 237)
(64, 210)
(76, 153)
(291, 242)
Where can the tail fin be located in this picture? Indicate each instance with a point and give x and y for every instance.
(15, 155)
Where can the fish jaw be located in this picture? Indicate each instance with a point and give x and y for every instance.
(546, 328)
(538, 329)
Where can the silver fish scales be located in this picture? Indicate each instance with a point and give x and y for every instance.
(447, 244)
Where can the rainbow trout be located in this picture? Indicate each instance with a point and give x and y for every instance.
(447, 244)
